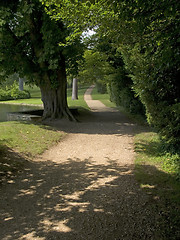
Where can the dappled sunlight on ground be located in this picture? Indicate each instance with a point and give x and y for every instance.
(76, 200)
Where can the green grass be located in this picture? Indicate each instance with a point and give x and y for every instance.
(28, 138)
(34, 91)
(104, 98)
(20, 141)
(34, 101)
(158, 173)
(80, 102)
(151, 151)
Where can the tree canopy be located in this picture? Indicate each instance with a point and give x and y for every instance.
(34, 45)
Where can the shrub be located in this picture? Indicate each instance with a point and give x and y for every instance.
(13, 92)
(151, 56)
(5, 95)
(122, 94)
(101, 87)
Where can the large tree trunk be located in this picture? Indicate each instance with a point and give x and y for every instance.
(55, 99)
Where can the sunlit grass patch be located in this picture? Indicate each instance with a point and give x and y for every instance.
(150, 149)
(34, 101)
(21, 141)
(28, 138)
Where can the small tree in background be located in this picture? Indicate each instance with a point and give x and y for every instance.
(95, 69)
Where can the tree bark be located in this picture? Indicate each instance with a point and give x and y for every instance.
(21, 87)
(75, 89)
(55, 99)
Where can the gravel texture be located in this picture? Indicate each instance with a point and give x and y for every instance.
(83, 188)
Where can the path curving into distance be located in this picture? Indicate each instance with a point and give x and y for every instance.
(95, 105)
(83, 188)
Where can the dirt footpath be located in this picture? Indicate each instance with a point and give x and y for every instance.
(83, 188)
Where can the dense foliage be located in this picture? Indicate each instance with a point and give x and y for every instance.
(146, 33)
(95, 69)
(12, 92)
(152, 59)
(119, 84)
(104, 66)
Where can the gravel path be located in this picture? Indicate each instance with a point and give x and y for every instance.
(81, 189)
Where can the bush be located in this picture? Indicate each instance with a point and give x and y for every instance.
(13, 92)
(122, 94)
(101, 87)
(157, 87)
(5, 95)
(171, 164)
(151, 56)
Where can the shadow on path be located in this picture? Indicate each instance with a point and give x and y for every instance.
(106, 123)
(76, 199)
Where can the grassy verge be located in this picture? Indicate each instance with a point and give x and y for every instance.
(158, 173)
(34, 101)
(28, 138)
(21, 140)
(80, 101)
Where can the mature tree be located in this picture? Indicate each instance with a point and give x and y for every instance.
(34, 45)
